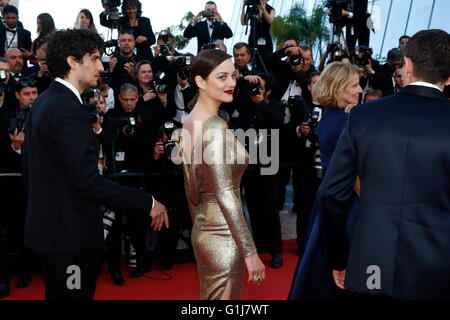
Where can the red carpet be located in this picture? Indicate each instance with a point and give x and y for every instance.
(183, 285)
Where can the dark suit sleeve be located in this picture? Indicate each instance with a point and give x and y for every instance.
(79, 156)
(336, 198)
(150, 35)
(226, 31)
(190, 31)
(26, 41)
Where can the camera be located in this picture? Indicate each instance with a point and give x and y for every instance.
(208, 14)
(313, 121)
(294, 101)
(252, 3)
(318, 169)
(209, 46)
(336, 11)
(91, 107)
(254, 89)
(183, 65)
(363, 56)
(19, 122)
(106, 77)
(337, 52)
(127, 126)
(125, 60)
(159, 82)
(114, 14)
(168, 129)
(296, 60)
(165, 49)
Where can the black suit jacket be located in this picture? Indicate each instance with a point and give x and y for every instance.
(399, 147)
(200, 30)
(23, 36)
(383, 80)
(60, 163)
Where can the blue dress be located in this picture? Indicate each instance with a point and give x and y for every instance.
(313, 278)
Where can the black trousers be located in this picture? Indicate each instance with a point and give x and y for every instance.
(62, 274)
(360, 33)
(261, 196)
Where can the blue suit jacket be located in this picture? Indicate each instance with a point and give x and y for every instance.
(399, 147)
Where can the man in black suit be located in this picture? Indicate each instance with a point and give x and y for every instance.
(211, 29)
(60, 165)
(12, 35)
(384, 78)
(398, 146)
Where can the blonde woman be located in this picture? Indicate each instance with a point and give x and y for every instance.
(338, 91)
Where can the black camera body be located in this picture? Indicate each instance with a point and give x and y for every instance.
(208, 14)
(19, 122)
(294, 101)
(363, 56)
(111, 3)
(114, 14)
(296, 60)
(125, 59)
(170, 144)
(165, 49)
(91, 108)
(127, 126)
(209, 46)
(253, 3)
(183, 66)
(253, 89)
(107, 77)
(159, 82)
(336, 11)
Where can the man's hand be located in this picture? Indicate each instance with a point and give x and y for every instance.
(339, 279)
(150, 95)
(159, 216)
(130, 68)
(158, 150)
(345, 13)
(357, 187)
(163, 98)
(198, 17)
(17, 139)
(43, 69)
(305, 129)
(113, 63)
(97, 125)
(218, 17)
(253, 79)
(141, 39)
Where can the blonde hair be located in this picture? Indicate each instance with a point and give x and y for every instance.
(333, 80)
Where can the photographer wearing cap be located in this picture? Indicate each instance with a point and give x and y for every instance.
(211, 29)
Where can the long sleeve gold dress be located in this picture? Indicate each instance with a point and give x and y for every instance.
(220, 236)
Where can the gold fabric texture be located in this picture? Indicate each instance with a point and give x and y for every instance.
(220, 236)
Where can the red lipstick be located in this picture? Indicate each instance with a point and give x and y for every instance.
(229, 91)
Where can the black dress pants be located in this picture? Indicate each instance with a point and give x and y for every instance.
(360, 33)
(70, 277)
(261, 196)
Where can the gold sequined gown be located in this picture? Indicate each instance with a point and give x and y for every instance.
(220, 236)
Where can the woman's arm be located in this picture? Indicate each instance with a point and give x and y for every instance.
(269, 17)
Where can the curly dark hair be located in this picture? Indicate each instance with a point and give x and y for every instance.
(136, 3)
(65, 43)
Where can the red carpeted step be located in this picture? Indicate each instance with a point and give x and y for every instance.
(183, 285)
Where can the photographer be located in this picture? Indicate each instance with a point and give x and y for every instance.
(131, 20)
(211, 29)
(170, 187)
(39, 72)
(384, 79)
(130, 133)
(264, 16)
(122, 62)
(12, 219)
(166, 42)
(353, 15)
(257, 112)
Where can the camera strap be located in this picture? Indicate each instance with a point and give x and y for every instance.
(12, 40)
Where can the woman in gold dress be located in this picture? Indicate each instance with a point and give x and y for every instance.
(213, 162)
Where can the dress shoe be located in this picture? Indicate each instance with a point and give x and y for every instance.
(277, 261)
(24, 280)
(139, 272)
(4, 289)
(117, 279)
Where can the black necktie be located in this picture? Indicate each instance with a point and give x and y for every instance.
(10, 30)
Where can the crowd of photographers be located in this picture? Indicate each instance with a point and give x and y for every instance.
(143, 97)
